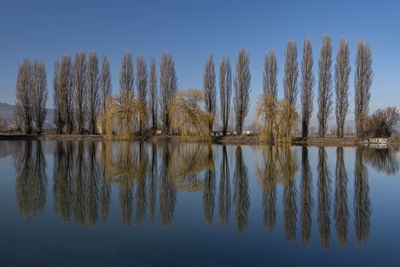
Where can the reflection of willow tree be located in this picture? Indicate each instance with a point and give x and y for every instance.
(224, 198)
(167, 197)
(62, 177)
(289, 167)
(209, 190)
(341, 212)
(306, 197)
(105, 189)
(267, 176)
(382, 160)
(153, 183)
(140, 175)
(362, 210)
(31, 180)
(91, 185)
(323, 185)
(241, 193)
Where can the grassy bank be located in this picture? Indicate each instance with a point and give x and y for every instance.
(228, 140)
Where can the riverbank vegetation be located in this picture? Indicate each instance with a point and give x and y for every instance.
(144, 107)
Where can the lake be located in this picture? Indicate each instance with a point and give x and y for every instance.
(128, 203)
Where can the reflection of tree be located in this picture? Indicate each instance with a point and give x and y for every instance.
(241, 193)
(341, 212)
(224, 197)
(362, 210)
(77, 187)
(62, 180)
(209, 190)
(141, 194)
(167, 189)
(105, 189)
(91, 185)
(306, 197)
(267, 176)
(31, 180)
(289, 194)
(323, 185)
(382, 160)
(153, 182)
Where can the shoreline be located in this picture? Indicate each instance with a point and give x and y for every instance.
(348, 141)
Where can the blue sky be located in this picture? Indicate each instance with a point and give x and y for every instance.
(191, 30)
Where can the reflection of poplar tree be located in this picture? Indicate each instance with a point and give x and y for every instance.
(362, 209)
(323, 199)
(141, 173)
(31, 181)
(241, 194)
(91, 185)
(78, 189)
(62, 183)
(306, 197)
(209, 190)
(341, 212)
(105, 190)
(125, 195)
(153, 183)
(224, 189)
(167, 190)
(289, 195)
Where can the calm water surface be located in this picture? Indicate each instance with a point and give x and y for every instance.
(130, 203)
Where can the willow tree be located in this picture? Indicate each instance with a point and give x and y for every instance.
(92, 92)
(153, 93)
(307, 84)
(168, 87)
(225, 91)
(23, 92)
(141, 86)
(38, 94)
(324, 85)
(105, 86)
(78, 83)
(209, 88)
(362, 84)
(290, 81)
(242, 89)
(342, 73)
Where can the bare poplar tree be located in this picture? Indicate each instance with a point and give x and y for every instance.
(307, 84)
(92, 94)
(58, 105)
(242, 89)
(105, 85)
(78, 83)
(38, 94)
(225, 91)
(291, 73)
(141, 87)
(168, 86)
(126, 78)
(66, 95)
(270, 83)
(153, 93)
(23, 93)
(209, 88)
(324, 85)
(342, 73)
(362, 84)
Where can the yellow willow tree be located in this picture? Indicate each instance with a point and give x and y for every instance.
(124, 110)
(275, 118)
(187, 117)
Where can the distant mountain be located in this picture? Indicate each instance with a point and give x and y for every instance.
(7, 114)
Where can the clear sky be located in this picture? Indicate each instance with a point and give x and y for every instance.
(191, 30)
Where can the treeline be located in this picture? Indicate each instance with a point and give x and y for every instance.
(84, 104)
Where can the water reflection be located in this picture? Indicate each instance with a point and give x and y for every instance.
(149, 177)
